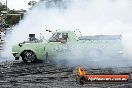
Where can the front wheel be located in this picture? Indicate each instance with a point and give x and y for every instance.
(29, 56)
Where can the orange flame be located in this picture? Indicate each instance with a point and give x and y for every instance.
(81, 71)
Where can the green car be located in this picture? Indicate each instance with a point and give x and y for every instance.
(62, 42)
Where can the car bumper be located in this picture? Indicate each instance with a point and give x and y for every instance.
(14, 53)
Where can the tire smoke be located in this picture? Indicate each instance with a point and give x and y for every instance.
(91, 17)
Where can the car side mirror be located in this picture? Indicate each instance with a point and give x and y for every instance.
(20, 44)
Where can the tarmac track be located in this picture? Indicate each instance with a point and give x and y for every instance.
(16, 74)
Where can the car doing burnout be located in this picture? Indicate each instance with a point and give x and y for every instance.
(61, 42)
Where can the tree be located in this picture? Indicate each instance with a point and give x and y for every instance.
(12, 19)
(9, 19)
(2, 7)
(32, 3)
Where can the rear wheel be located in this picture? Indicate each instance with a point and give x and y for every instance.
(29, 56)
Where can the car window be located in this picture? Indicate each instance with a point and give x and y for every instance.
(58, 36)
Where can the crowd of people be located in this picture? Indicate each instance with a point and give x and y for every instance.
(2, 27)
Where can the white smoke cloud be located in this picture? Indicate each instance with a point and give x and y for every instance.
(90, 16)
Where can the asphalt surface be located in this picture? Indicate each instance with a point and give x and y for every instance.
(17, 74)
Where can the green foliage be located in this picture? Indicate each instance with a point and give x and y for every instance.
(2, 7)
(12, 19)
(32, 3)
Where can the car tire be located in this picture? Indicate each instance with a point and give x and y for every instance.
(29, 56)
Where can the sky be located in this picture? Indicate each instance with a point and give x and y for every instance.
(17, 4)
